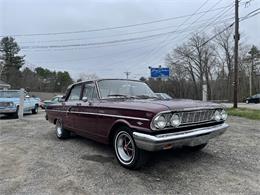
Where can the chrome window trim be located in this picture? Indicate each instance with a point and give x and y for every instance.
(97, 83)
(101, 114)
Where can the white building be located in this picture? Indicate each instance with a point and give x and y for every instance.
(4, 86)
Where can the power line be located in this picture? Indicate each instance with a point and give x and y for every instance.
(113, 42)
(112, 28)
(106, 36)
(166, 41)
(248, 16)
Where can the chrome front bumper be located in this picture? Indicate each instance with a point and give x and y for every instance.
(186, 138)
(7, 110)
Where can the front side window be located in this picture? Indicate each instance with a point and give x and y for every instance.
(124, 88)
(90, 91)
(56, 99)
(75, 93)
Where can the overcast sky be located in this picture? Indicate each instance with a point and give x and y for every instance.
(23, 17)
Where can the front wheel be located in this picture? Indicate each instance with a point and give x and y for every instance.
(16, 114)
(126, 151)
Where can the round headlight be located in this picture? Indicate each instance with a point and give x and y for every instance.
(175, 120)
(160, 122)
(223, 115)
(217, 116)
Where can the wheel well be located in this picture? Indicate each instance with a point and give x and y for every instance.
(113, 130)
(55, 120)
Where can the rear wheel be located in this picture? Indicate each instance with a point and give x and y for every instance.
(126, 151)
(35, 110)
(61, 133)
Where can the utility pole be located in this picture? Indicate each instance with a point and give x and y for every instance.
(127, 74)
(251, 75)
(236, 37)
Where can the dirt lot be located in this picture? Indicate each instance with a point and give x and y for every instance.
(33, 161)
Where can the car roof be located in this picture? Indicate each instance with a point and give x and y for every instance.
(97, 80)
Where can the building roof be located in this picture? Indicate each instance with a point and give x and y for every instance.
(2, 83)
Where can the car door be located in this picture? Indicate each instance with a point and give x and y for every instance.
(87, 120)
(70, 107)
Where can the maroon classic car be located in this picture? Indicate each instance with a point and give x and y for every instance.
(129, 115)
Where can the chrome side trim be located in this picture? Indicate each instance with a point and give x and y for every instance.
(101, 114)
(52, 110)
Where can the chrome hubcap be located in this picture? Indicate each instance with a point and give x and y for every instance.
(58, 130)
(125, 148)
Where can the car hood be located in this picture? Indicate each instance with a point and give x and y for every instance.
(15, 100)
(163, 105)
(184, 104)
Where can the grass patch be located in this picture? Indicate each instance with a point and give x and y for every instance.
(244, 112)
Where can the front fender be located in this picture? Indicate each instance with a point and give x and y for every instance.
(133, 124)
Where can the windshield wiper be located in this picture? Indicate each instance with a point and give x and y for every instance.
(117, 95)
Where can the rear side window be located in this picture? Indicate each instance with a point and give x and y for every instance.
(75, 93)
(90, 91)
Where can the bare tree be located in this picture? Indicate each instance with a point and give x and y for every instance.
(195, 60)
(85, 77)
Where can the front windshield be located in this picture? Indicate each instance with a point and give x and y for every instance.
(124, 89)
(166, 96)
(9, 94)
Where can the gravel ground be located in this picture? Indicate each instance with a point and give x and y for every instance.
(34, 161)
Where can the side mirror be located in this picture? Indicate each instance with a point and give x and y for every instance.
(84, 99)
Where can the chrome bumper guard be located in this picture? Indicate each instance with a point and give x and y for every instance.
(186, 138)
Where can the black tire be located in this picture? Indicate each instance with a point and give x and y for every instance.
(35, 110)
(61, 133)
(16, 113)
(137, 157)
(195, 148)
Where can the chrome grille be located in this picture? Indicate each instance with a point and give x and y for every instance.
(196, 116)
(4, 104)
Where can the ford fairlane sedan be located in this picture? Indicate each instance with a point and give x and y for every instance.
(128, 115)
